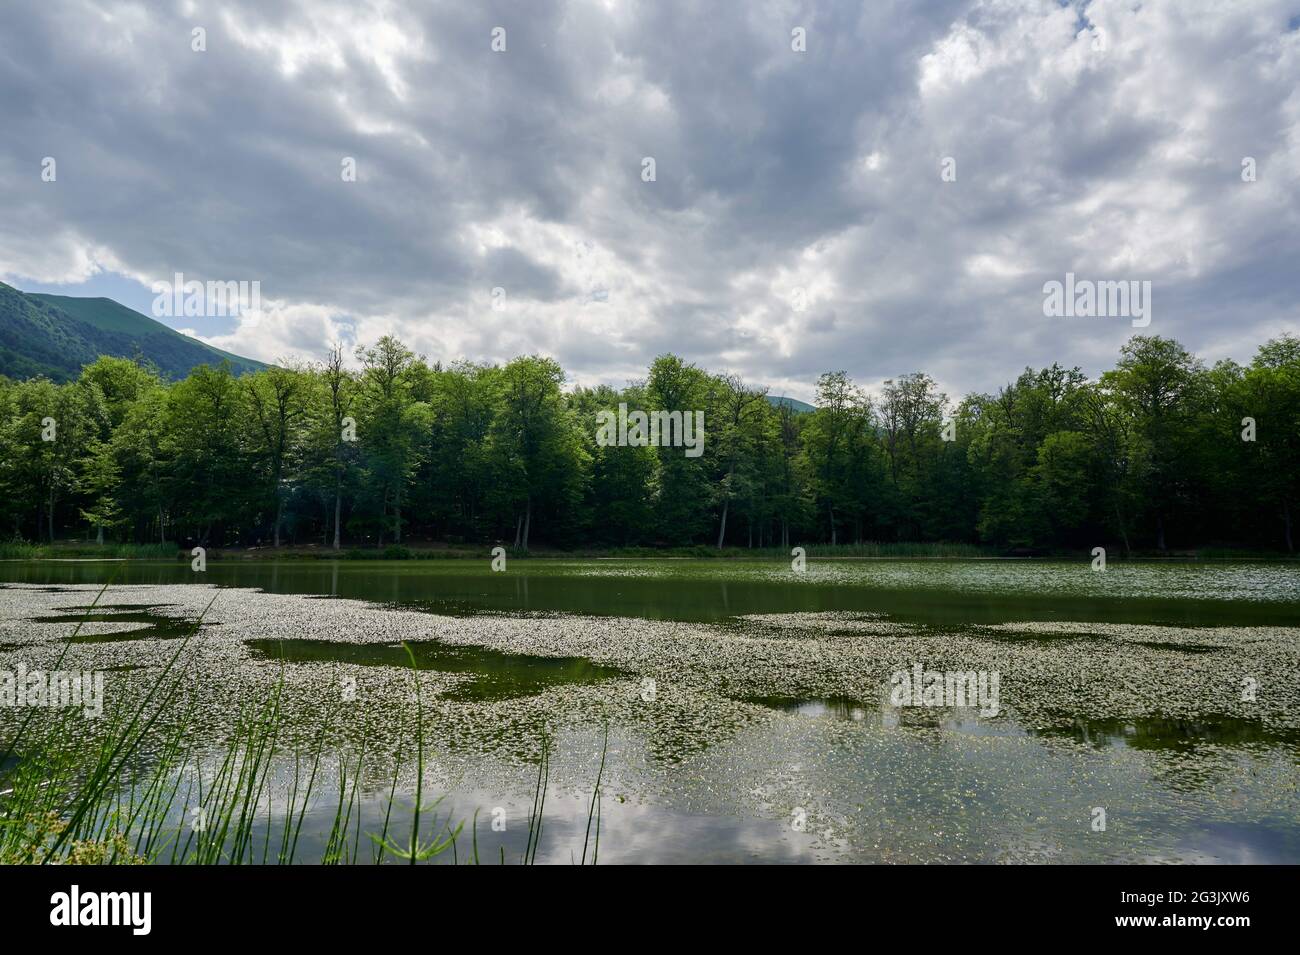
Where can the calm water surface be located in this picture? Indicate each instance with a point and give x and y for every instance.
(826, 775)
(940, 592)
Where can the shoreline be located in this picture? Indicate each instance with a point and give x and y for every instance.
(153, 553)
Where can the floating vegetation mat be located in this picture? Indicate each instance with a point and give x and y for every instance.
(766, 737)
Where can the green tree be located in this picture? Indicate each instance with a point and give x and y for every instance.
(738, 442)
(1270, 394)
(838, 442)
(621, 478)
(277, 397)
(1159, 387)
(534, 439)
(206, 440)
(682, 495)
(390, 424)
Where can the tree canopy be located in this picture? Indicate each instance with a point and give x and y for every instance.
(1159, 451)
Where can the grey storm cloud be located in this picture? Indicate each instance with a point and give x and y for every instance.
(1103, 138)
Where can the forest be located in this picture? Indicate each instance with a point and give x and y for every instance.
(1158, 453)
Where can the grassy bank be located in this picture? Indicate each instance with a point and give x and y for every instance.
(72, 550)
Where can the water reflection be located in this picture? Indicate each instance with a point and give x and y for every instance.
(910, 592)
(495, 675)
(156, 625)
(1163, 733)
(1144, 733)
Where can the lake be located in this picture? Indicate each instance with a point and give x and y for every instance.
(744, 712)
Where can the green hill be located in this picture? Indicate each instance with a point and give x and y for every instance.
(794, 404)
(54, 335)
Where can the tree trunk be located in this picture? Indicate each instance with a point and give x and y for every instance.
(49, 514)
(1286, 519)
(1123, 531)
(279, 514)
(528, 519)
(519, 528)
(831, 511)
(338, 508)
(99, 535)
(397, 516)
(722, 527)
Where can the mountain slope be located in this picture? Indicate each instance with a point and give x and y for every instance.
(54, 335)
(794, 404)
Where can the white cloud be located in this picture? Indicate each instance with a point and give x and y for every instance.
(1102, 138)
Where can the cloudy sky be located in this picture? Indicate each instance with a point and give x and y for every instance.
(1104, 138)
